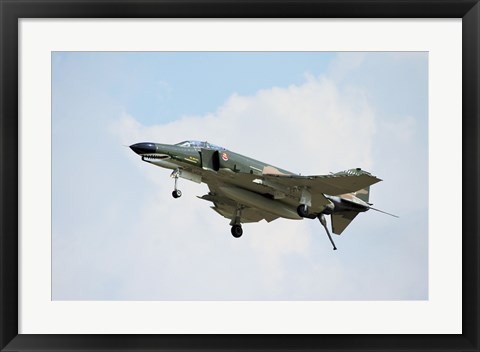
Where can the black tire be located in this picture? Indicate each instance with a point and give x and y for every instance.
(236, 231)
(302, 210)
(177, 193)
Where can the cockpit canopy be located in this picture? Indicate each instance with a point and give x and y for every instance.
(199, 144)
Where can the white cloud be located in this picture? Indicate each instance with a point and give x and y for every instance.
(303, 128)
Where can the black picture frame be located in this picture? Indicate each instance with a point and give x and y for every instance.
(12, 10)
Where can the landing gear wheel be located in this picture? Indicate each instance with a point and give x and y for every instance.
(237, 231)
(176, 192)
(302, 210)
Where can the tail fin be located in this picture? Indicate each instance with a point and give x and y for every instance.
(363, 194)
(341, 219)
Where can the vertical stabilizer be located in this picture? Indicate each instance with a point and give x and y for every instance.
(341, 219)
(363, 194)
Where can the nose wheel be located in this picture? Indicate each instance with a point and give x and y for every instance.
(176, 192)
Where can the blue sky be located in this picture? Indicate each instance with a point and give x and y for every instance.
(117, 234)
(153, 86)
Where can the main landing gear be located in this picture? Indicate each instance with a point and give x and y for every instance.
(237, 231)
(176, 192)
(302, 210)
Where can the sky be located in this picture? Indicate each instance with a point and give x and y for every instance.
(118, 234)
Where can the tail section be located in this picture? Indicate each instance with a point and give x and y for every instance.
(384, 212)
(363, 194)
(345, 207)
(341, 219)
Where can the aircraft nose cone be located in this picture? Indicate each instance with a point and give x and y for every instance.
(144, 148)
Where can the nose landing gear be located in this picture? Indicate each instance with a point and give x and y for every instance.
(176, 192)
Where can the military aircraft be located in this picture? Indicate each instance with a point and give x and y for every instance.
(246, 190)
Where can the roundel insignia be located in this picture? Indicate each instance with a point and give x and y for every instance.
(224, 156)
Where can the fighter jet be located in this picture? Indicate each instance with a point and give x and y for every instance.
(246, 190)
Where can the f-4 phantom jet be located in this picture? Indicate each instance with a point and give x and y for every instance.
(246, 190)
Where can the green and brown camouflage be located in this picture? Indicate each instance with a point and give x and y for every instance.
(244, 190)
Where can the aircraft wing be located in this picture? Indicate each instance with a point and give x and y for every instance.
(248, 214)
(335, 184)
(283, 185)
(227, 207)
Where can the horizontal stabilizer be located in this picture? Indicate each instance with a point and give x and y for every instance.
(341, 219)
